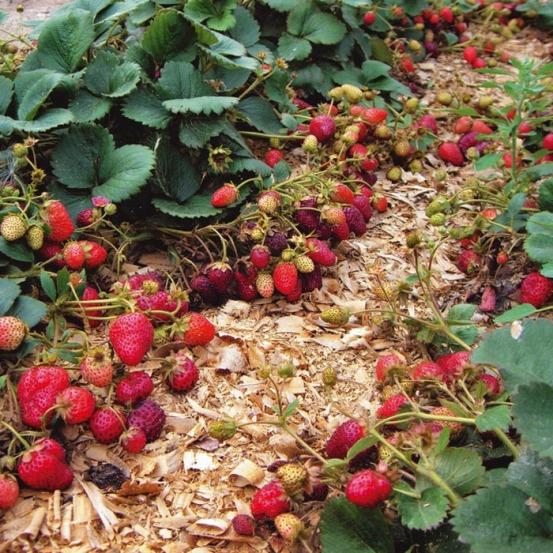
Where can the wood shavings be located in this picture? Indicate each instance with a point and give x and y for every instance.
(247, 473)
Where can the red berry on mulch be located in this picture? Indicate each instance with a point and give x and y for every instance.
(244, 525)
(343, 438)
(134, 387)
(270, 501)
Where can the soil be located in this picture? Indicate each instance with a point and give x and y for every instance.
(181, 493)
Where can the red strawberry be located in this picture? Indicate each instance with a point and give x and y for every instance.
(387, 363)
(76, 404)
(319, 252)
(374, 116)
(391, 406)
(547, 143)
(429, 123)
(479, 63)
(133, 440)
(143, 281)
(447, 15)
(244, 525)
(59, 221)
(89, 294)
(133, 387)
(96, 368)
(358, 152)
(131, 337)
(481, 128)
(450, 152)
(9, 491)
(295, 295)
(40, 469)
(492, 383)
(343, 438)
(369, 18)
(199, 330)
(150, 417)
(363, 204)
(341, 231)
(369, 165)
(368, 488)
(85, 217)
(453, 364)
(95, 254)
(285, 277)
(273, 156)
(37, 391)
(224, 196)
(536, 289)
(73, 255)
(183, 375)
(52, 250)
(427, 370)
(260, 257)
(323, 127)
(52, 447)
(246, 289)
(270, 501)
(406, 63)
(107, 424)
(463, 125)
(12, 333)
(468, 261)
(502, 258)
(342, 193)
(470, 53)
(380, 203)
(220, 276)
(155, 303)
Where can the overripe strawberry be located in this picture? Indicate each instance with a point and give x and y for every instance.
(311, 281)
(355, 220)
(388, 364)
(75, 404)
(155, 303)
(203, 286)
(468, 261)
(273, 156)
(244, 525)
(148, 416)
(450, 152)
(363, 204)
(35, 237)
(427, 370)
(536, 289)
(133, 387)
(40, 469)
(131, 336)
(96, 368)
(183, 375)
(343, 438)
(224, 196)
(107, 424)
(453, 364)
(368, 488)
(292, 477)
(342, 193)
(9, 491)
(289, 526)
(220, 276)
(340, 231)
(391, 406)
(260, 256)
(91, 294)
(37, 391)
(270, 501)
(60, 225)
(322, 127)
(95, 254)
(285, 277)
(319, 252)
(276, 242)
(85, 217)
(12, 332)
(133, 440)
(199, 330)
(492, 383)
(374, 116)
(145, 281)
(246, 288)
(74, 256)
(13, 227)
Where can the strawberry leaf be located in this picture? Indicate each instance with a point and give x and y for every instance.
(9, 290)
(425, 512)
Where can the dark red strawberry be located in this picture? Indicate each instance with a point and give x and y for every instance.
(183, 375)
(311, 281)
(133, 387)
(536, 289)
(148, 416)
(343, 438)
(107, 424)
(131, 336)
(244, 525)
(221, 277)
(155, 303)
(391, 406)
(52, 250)
(273, 156)
(363, 204)
(355, 220)
(203, 286)
(276, 242)
(142, 281)
(260, 256)
(341, 231)
(320, 253)
(323, 127)
(89, 294)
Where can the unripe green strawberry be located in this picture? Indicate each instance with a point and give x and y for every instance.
(411, 105)
(35, 238)
(265, 285)
(286, 370)
(383, 131)
(437, 220)
(268, 202)
(402, 148)
(336, 93)
(336, 315)
(485, 102)
(222, 430)
(287, 254)
(310, 144)
(444, 98)
(413, 239)
(12, 333)
(394, 174)
(438, 205)
(257, 235)
(329, 377)
(415, 166)
(352, 93)
(292, 476)
(13, 227)
(414, 45)
(289, 526)
(304, 264)
(19, 150)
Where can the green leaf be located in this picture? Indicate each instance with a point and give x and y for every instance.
(62, 280)
(174, 173)
(545, 193)
(539, 247)
(65, 39)
(533, 412)
(29, 310)
(9, 290)
(424, 513)
(373, 69)
(86, 107)
(487, 161)
(47, 283)
(37, 94)
(381, 52)
(107, 76)
(195, 132)
(323, 28)
(346, 527)
(516, 313)
(533, 476)
(293, 48)
(522, 358)
(259, 113)
(16, 251)
(196, 207)
(290, 408)
(547, 270)
(201, 104)
(494, 417)
(86, 158)
(246, 30)
(48, 120)
(167, 34)
(540, 223)
(281, 5)
(6, 94)
(147, 108)
(361, 445)
(461, 312)
(499, 520)
(461, 468)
